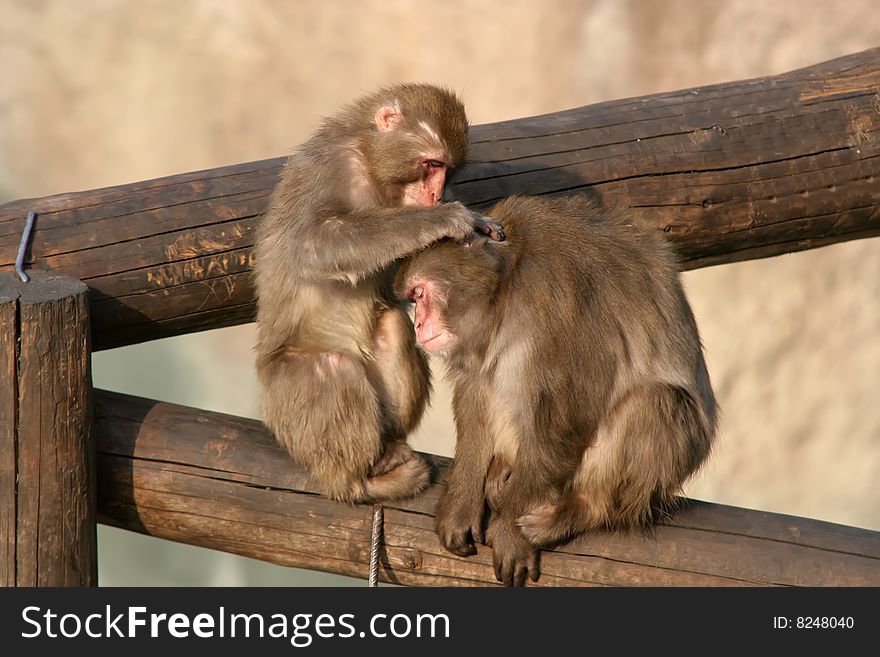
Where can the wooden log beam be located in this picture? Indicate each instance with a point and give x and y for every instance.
(730, 172)
(222, 482)
(47, 455)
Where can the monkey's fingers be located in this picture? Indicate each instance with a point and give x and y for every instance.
(496, 231)
(489, 227)
(519, 576)
(535, 565)
(509, 570)
(498, 565)
(458, 542)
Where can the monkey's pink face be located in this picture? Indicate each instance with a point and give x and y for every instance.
(431, 332)
(428, 190)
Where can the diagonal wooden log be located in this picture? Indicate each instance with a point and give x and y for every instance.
(222, 482)
(730, 172)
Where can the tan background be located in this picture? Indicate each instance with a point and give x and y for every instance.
(101, 92)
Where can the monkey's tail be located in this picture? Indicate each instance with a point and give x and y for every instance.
(406, 480)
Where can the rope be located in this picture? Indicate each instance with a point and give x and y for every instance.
(375, 540)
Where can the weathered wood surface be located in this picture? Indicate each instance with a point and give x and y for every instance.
(730, 172)
(47, 456)
(222, 482)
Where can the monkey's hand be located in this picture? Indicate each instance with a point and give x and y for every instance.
(470, 225)
(512, 555)
(459, 526)
(486, 226)
(496, 479)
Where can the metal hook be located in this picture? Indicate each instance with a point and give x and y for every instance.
(22, 247)
(375, 540)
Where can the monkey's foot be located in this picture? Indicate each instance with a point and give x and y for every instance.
(549, 524)
(539, 524)
(395, 454)
(458, 527)
(512, 555)
(407, 479)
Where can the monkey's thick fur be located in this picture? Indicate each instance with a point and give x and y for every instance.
(342, 382)
(581, 398)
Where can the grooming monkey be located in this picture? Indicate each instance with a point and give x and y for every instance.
(581, 396)
(342, 381)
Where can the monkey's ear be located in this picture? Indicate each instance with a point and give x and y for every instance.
(387, 117)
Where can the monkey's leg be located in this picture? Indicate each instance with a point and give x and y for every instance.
(643, 452)
(460, 509)
(323, 409)
(399, 373)
(520, 486)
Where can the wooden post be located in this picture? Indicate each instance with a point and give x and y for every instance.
(47, 454)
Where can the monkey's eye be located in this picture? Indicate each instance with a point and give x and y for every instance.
(418, 292)
(435, 164)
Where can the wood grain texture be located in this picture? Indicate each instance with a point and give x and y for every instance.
(47, 474)
(222, 482)
(8, 423)
(729, 172)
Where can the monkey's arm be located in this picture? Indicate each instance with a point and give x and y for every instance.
(355, 244)
(459, 515)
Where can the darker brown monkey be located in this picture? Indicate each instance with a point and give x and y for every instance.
(342, 382)
(581, 396)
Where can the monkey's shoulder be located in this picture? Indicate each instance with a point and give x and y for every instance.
(593, 266)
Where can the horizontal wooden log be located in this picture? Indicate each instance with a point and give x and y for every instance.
(221, 482)
(730, 172)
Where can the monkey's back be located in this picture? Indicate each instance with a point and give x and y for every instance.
(573, 235)
(602, 295)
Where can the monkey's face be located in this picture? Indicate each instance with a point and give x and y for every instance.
(419, 138)
(413, 162)
(432, 334)
(453, 287)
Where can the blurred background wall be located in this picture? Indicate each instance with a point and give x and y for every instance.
(102, 92)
